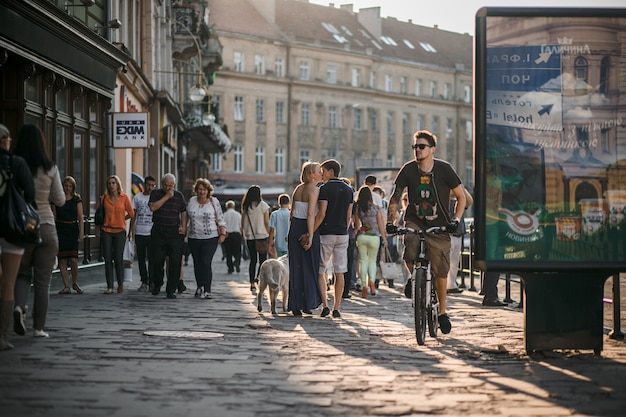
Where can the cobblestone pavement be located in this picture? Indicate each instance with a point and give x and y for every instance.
(107, 355)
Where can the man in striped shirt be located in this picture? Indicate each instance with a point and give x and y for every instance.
(169, 219)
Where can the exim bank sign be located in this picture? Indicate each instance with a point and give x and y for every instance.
(130, 130)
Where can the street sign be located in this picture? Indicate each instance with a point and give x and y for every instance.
(524, 87)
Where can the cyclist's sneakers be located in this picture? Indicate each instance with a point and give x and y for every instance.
(444, 323)
(408, 288)
(336, 314)
(325, 312)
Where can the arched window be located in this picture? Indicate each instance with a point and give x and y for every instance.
(605, 64)
(580, 69)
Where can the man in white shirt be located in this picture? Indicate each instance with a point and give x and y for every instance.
(140, 228)
(232, 244)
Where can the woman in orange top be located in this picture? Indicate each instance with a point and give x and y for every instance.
(117, 209)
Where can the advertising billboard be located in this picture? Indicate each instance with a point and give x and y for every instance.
(550, 111)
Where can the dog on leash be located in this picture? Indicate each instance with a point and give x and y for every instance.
(274, 274)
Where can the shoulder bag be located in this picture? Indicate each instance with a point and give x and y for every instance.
(20, 224)
(260, 245)
(98, 217)
(220, 237)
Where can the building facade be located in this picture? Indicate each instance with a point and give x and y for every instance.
(306, 82)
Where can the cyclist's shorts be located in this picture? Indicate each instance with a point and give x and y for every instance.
(437, 250)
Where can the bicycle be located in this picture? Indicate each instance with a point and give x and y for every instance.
(423, 295)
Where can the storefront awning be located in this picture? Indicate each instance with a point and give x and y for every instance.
(211, 139)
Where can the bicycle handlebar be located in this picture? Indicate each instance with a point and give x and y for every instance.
(394, 230)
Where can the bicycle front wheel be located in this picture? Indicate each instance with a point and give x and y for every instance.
(419, 304)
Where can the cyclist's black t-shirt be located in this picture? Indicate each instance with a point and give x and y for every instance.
(429, 193)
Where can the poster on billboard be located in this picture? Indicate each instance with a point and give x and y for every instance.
(130, 130)
(550, 138)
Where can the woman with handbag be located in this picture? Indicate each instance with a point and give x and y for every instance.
(11, 254)
(206, 229)
(117, 209)
(370, 227)
(255, 220)
(38, 261)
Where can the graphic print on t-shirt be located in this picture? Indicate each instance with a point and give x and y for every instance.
(427, 198)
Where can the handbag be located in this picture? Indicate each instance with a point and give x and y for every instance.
(98, 217)
(20, 224)
(220, 237)
(390, 269)
(260, 245)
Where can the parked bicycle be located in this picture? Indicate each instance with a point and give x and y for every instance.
(423, 295)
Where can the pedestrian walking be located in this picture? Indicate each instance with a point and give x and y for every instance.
(206, 229)
(37, 262)
(279, 227)
(11, 253)
(140, 229)
(255, 218)
(169, 218)
(232, 243)
(117, 209)
(71, 233)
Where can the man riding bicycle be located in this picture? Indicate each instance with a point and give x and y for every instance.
(428, 182)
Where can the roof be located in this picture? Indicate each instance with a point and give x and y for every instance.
(342, 29)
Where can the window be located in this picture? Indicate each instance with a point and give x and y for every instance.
(390, 123)
(449, 130)
(374, 123)
(605, 140)
(331, 74)
(605, 64)
(433, 88)
(305, 156)
(403, 82)
(280, 112)
(435, 129)
(421, 122)
(356, 77)
(332, 117)
(390, 163)
(259, 64)
(305, 70)
(216, 106)
(279, 67)
(580, 68)
(446, 91)
(467, 94)
(238, 62)
(388, 83)
(405, 124)
(216, 162)
(259, 160)
(372, 79)
(305, 115)
(418, 87)
(260, 110)
(469, 128)
(238, 158)
(280, 161)
(238, 108)
(358, 119)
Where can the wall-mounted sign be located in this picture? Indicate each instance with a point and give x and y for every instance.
(130, 130)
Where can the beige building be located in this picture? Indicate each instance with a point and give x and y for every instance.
(307, 82)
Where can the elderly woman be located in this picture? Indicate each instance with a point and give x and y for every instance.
(206, 229)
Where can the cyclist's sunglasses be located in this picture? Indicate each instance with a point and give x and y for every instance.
(421, 146)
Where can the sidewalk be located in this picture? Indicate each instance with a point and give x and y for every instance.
(108, 356)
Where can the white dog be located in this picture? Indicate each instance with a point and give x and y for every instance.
(274, 273)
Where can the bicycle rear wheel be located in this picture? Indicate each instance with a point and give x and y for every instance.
(419, 304)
